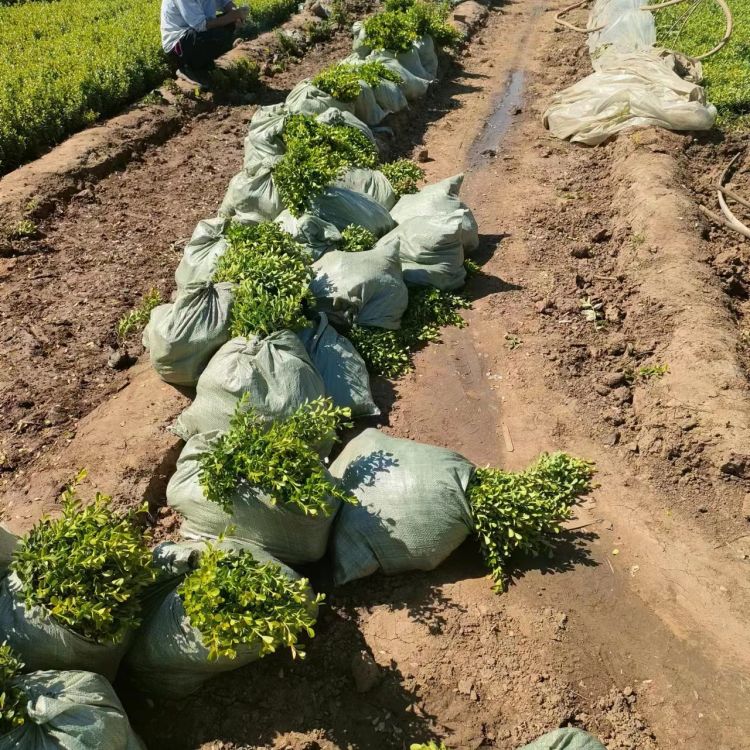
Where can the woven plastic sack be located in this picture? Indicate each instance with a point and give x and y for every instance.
(413, 86)
(387, 94)
(344, 372)
(366, 288)
(307, 99)
(636, 89)
(168, 658)
(370, 182)
(335, 116)
(71, 711)
(565, 739)
(412, 511)
(284, 532)
(317, 235)
(430, 249)
(42, 643)
(8, 542)
(202, 252)
(275, 373)
(412, 61)
(342, 207)
(263, 140)
(425, 48)
(181, 337)
(366, 106)
(252, 195)
(359, 48)
(440, 198)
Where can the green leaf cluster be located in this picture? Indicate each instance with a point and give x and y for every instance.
(12, 699)
(518, 512)
(389, 353)
(431, 18)
(356, 239)
(431, 745)
(86, 568)
(390, 30)
(279, 459)
(693, 29)
(342, 81)
(405, 21)
(137, 318)
(316, 154)
(403, 176)
(234, 600)
(272, 272)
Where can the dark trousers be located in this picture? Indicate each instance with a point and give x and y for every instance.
(198, 50)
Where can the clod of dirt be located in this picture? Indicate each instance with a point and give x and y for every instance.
(737, 465)
(365, 671)
(423, 155)
(120, 359)
(614, 379)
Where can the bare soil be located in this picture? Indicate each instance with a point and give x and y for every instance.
(637, 628)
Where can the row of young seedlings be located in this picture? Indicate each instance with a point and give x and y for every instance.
(85, 591)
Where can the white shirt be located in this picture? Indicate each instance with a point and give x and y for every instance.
(178, 16)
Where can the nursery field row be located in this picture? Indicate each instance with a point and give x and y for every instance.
(68, 63)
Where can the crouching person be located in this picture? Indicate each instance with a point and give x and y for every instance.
(195, 32)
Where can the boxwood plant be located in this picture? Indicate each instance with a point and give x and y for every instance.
(403, 22)
(12, 699)
(233, 600)
(403, 176)
(316, 154)
(389, 353)
(356, 239)
(281, 459)
(342, 81)
(86, 568)
(272, 272)
(519, 512)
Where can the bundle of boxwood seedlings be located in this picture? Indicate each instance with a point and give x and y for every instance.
(316, 154)
(343, 81)
(390, 353)
(417, 503)
(217, 607)
(272, 274)
(264, 480)
(71, 600)
(403, 22)
(31, 717)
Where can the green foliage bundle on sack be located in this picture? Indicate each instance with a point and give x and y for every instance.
(71, 599)
(281, 459)
(217, 607)
(431, 18)
(316, 154)
(403, 176)
(342, 81)
(233, 599)
(390, 30)
(403, 23)
(519, 512)
(272, 272)
(356, 239)
(87, 568)
(389, 353)
(12, 698)
(417, 503)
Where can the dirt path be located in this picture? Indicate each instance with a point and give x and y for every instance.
(637, 628)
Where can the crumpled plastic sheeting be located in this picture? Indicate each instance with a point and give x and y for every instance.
(635, 84)
(636, 89)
